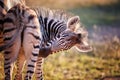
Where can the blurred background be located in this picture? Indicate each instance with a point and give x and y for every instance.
(102, 20)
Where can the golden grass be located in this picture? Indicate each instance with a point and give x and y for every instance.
(72, 65)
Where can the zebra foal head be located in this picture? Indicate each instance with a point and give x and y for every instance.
(73, 35)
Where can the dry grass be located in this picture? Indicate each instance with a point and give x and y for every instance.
(72, 65)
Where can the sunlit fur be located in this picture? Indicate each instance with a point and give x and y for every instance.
(5, 5)
(58, 33)
(22, 26)
(11, 3)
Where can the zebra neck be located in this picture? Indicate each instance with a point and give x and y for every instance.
(51, 28)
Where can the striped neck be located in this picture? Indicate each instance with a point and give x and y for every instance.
(51, 29)
(52, 23)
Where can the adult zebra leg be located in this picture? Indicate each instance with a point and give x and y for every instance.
(31, 41)
(38, 69)
(10, 55)
(31, 48)
(20, 65)
(31, 65)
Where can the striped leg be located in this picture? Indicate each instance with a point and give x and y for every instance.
(31, 49)
(38, 69)
(31, 42)
(10, 56)
(31, 64)
(20, 65)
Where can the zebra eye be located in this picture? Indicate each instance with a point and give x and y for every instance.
(79, 35)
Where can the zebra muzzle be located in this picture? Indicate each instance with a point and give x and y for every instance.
(83, 47)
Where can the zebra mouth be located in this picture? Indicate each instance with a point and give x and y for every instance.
(83, 47)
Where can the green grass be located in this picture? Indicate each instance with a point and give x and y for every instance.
(74, 66)
(91, 12)
(98, 15)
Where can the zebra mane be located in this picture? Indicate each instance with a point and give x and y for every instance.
(58, 15)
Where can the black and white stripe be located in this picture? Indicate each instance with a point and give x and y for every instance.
(2, 14)
(60, 31)
(38, 32)
(21, 26)
(51, 28)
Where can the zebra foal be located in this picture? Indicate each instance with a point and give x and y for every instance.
(60, 31)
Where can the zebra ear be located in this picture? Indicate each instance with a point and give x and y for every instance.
(72, 22)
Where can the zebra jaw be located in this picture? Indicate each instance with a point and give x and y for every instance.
(46, 51)
(83, 47)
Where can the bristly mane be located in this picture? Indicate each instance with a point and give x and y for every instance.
(58, 15)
